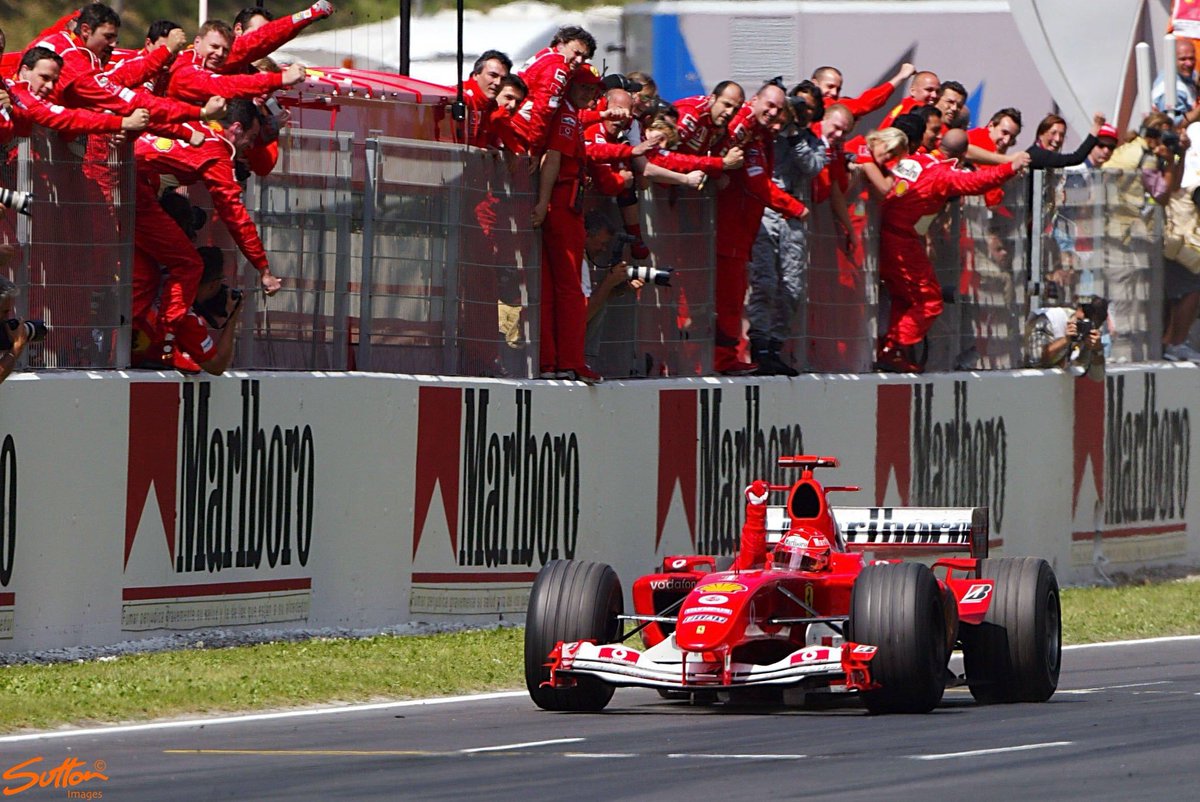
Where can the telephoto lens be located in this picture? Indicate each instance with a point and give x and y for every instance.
(21, 201)
(660, 276)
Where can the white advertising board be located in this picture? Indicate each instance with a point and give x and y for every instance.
(132, 505)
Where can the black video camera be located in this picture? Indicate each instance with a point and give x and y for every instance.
(1095, 313)
(1170, 138)
(35, 331)
(215, 310)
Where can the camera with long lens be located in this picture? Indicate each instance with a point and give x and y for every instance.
(1095, 313)
(1170, 138)
(215, 310)
(21, 201)
(35, 331)
(660, 276)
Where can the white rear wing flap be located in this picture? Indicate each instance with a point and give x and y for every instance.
(899, 531)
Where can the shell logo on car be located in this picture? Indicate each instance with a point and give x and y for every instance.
(722, 587)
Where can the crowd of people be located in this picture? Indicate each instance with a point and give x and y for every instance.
(774, 153)
(198, 111)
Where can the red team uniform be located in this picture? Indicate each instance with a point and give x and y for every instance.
(698, 134)
(922, 187)
(740, 208)
(546, 74)
(157, 237)
(564, 307)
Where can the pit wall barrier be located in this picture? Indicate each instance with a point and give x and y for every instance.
(312, 501)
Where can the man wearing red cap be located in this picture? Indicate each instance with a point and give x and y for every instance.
(559, 213)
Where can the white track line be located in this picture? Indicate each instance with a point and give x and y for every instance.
(1142, 642)
(1084, 691)
(507, 747)
(600, 755)
(366, 708)
(701, 756)
(997, 751)
(252, 717)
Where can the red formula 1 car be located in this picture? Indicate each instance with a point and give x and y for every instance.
(817, 618)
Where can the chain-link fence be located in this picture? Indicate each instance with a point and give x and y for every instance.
(413, 256)
(73, 251)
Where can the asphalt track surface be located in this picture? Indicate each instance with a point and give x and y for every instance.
(1125, 724)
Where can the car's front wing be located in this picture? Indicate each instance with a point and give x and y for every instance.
(840, 669)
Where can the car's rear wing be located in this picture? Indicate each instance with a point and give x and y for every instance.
(899, 531)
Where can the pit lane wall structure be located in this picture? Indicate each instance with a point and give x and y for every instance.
(136, 504)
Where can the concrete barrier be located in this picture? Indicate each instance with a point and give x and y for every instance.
(133, 504)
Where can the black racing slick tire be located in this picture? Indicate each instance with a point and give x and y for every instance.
(1016, 653)
(570, 601)
(899, 608)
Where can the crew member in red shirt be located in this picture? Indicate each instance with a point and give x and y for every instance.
(740, 208)
(479, 94)
(704, 119)
(37, 74)
(916, 190)
(205, 73)
(547, 74)
(559, 213)
(501, 134)
(159, 237)
(829, 81)
(921, 92)
(151, 347)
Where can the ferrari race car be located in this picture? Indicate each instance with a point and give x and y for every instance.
(816, 618)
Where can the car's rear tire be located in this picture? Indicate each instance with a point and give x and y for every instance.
(899, 609)
(1016, 653)
(570, 601)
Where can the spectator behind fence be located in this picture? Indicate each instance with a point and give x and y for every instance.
(779, 259)
(952, 102)
(605, 274)
(1045, 151)
(217, 306)
(990, 144)
(704, 119)
(1184, 108)
(15, 333)
(1149, 173)
(1061, 337)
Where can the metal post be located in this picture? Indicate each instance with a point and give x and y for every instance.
(342, 207)
(454, 215)
(405, 35)
(1145, 81)
(1034, 278)
(203, 12)
(368, 255)
(1170, 75)
(24, 226)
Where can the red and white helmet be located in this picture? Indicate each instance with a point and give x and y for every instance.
(802, 551)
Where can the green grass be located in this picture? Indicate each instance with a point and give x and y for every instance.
(278, 675)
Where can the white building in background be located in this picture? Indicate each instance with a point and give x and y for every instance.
(519, 29)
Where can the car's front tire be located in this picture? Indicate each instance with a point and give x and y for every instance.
(570, 601)
(899, 609)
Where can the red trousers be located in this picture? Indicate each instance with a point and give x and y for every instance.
(729, 300)
(564, 308)
(907, 273)
(158, 240)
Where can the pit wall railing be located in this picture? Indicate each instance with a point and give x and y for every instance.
(418, 257)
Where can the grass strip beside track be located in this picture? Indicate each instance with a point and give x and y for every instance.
(278, 675)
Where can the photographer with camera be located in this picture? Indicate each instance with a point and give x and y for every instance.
(1061, 337)
(605, 273)
(217, 306)
(15, 333)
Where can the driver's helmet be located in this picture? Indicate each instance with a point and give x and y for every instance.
(805, 551)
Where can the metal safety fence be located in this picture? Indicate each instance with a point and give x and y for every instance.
(70, 256)
(411, 256)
